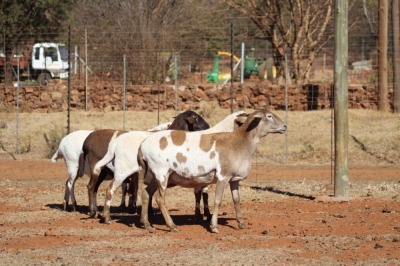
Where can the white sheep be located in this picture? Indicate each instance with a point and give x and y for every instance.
(70, 149)
(201, 158)
(123, 150)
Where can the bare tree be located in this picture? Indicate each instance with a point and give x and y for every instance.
(294, 26)
(135, 28)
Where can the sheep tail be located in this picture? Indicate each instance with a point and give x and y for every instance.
(56, 156)
(81, 169)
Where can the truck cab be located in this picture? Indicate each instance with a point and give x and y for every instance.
(49, 60)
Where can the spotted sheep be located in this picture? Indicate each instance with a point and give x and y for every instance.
(123, 151)
(95, 147)
(203, 158)
(228, 124)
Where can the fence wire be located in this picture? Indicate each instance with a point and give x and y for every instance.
(170, 68)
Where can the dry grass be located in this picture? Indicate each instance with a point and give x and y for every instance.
(374, 137)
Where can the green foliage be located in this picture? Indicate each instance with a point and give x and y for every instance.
(26, 21)
(53, 139)
(21, 19)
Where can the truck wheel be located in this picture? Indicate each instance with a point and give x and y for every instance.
(43, 79)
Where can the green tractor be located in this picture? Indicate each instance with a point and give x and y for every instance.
(264, 69)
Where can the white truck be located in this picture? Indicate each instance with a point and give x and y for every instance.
(43, 61)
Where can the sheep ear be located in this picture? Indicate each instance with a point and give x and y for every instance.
(239, 120)
(253, 124)
(190, 120)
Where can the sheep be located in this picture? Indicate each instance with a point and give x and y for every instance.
(70, 148)
(96, 145)
(228, 124)
(190, 157)
(124, 152)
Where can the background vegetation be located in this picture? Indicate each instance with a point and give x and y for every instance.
(374, 136)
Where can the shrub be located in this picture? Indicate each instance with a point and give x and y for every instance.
(53, 139)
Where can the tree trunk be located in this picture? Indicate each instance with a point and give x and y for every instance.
(383, 103)
(396, 56)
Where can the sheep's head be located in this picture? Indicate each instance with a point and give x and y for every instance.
(190, 121)
(265, 122)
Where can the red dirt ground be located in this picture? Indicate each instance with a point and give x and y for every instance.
(291, 218)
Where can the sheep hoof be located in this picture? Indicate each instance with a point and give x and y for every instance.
(92, 214)
(151, 229)
(107, 221)
(174, 230)
(65, 206)
(242, 225)
(214, 229)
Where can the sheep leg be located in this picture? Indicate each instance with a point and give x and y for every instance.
(160, 198)
(93, 187)
(151, 188)
(219, 192)
(72, 194)
(112, 187)
(197, 212)
(236, 200)
(133, 192)
(66, 195)
(90, 187)
(141, 176)
(69, 190)
(124, 188)
(100, 180)
(204, 193)
(144, 218)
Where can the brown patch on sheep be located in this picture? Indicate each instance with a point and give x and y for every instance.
(206, 142)
(201, 169)
(163, 143)
(181, 158)
(178, 137)
(212, 155)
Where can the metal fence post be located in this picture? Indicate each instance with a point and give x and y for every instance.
(124, 93)
(286, 106)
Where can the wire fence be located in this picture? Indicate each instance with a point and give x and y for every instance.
(179, 57)
(154, 54)
(175, 68)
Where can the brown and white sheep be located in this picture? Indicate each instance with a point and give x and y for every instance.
(202, 159)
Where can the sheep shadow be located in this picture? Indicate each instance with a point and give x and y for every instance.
(158, 219)
(123, 215)
(281, 192)
(84, 209)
